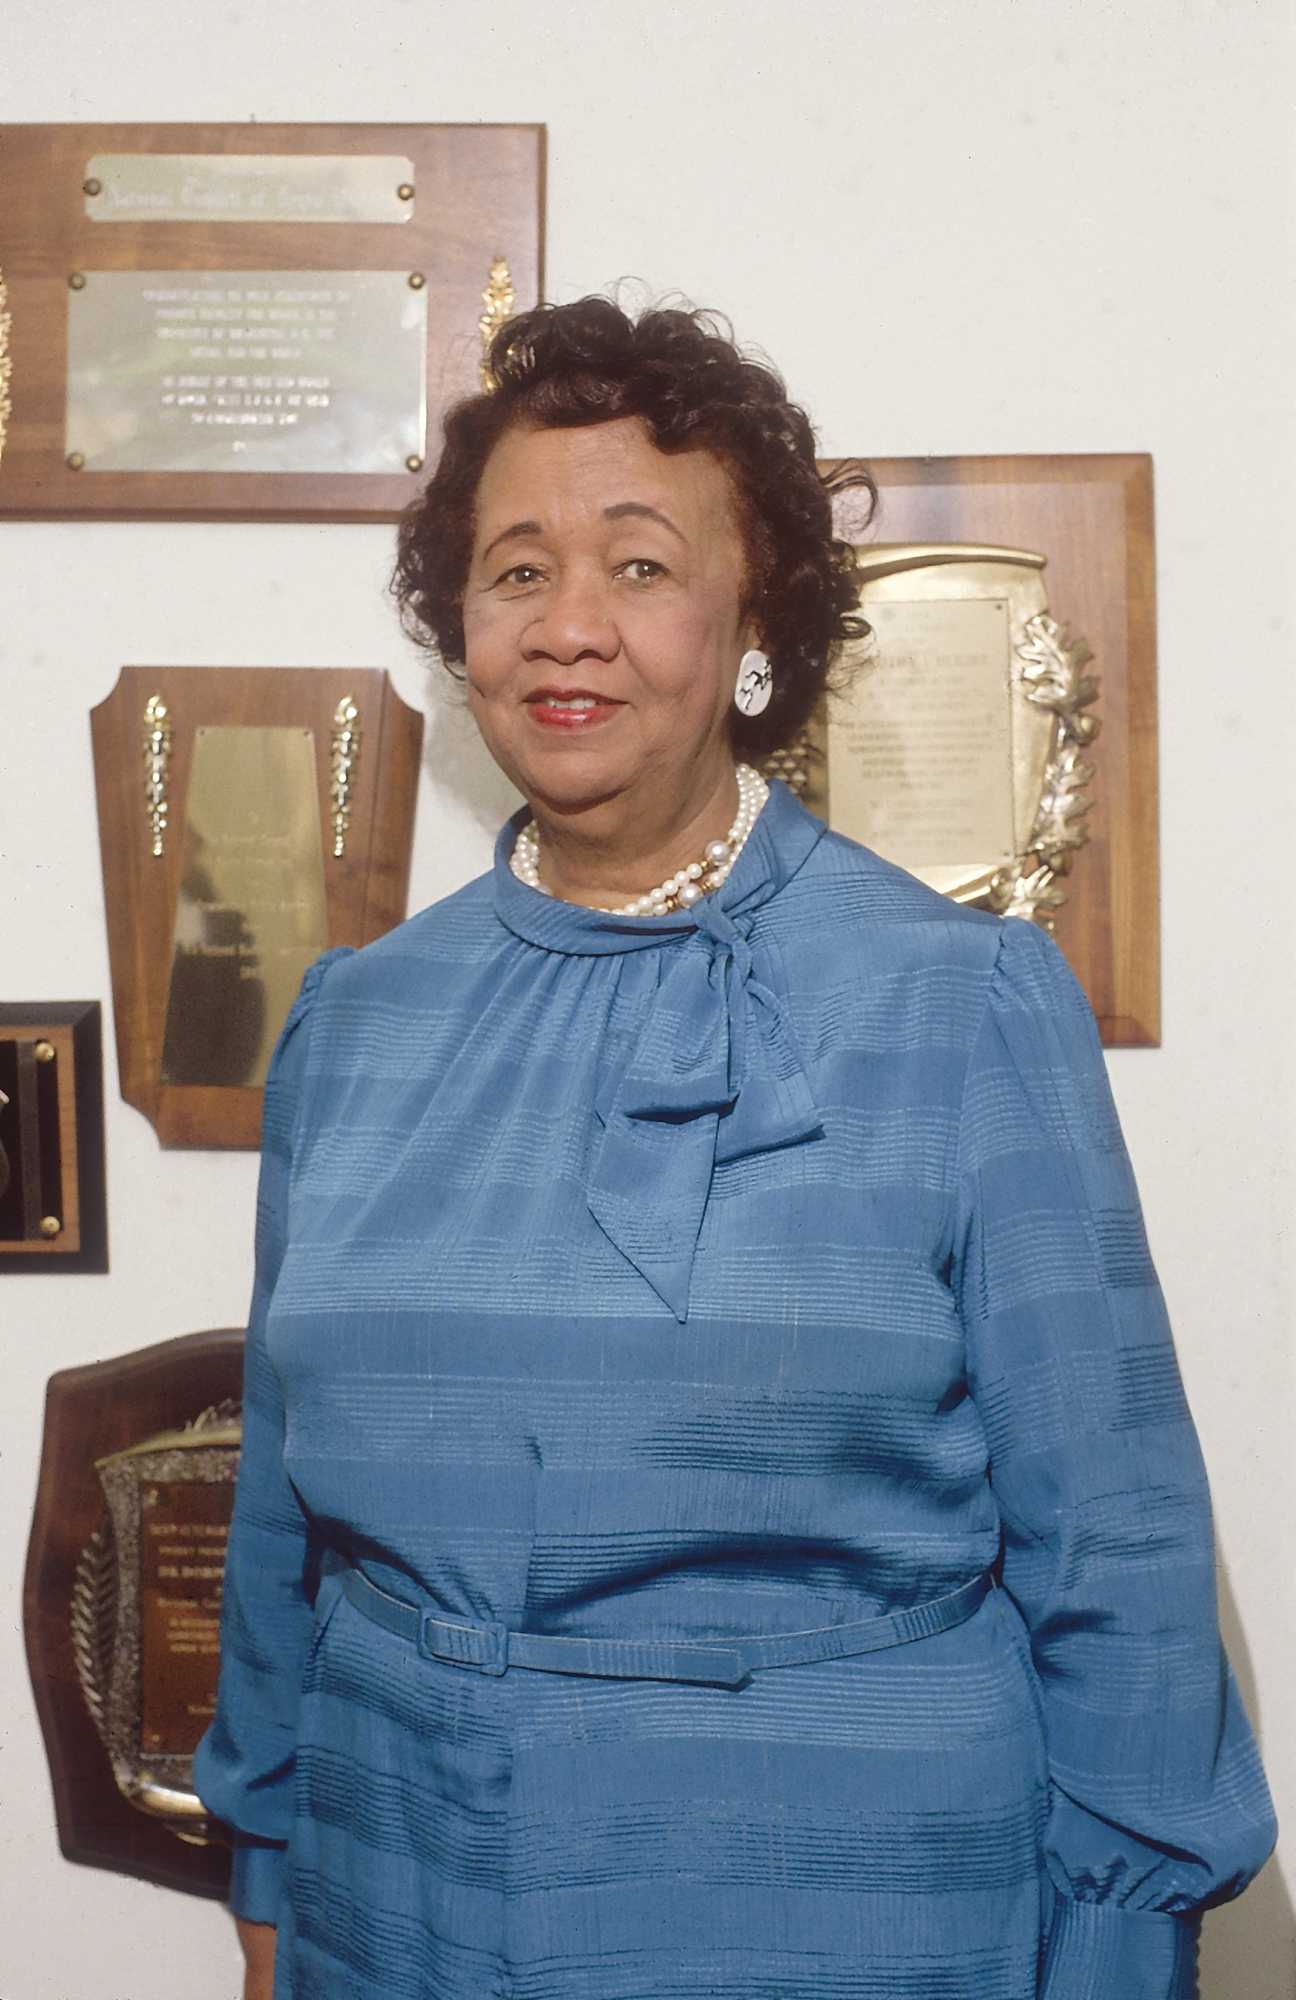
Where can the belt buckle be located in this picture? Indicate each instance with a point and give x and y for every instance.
(447, 1639)
(495, 1659)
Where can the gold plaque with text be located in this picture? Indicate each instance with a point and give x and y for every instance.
(250, 912)
(920, 766)
(249, 187)
(246, 371)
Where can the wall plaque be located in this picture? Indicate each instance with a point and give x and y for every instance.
(251, 321)
(248, 818)
(247, 372)
(121, 1600)
(52, 1203)
(905, 758)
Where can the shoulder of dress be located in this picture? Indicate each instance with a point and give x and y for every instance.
(850, 894)
(1032, 975)
(460, 926)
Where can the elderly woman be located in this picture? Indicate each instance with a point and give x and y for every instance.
(718, 1513)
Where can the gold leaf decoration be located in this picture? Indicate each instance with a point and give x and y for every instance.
(6, 364)
(499, 299)
(157, 761)
(1053, 672)
(346, 749)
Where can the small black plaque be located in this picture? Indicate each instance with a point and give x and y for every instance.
(52, 1203)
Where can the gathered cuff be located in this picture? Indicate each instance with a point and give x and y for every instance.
(1105, 1948)
(256, 1879)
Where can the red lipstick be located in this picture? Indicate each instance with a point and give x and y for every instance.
(574, 709)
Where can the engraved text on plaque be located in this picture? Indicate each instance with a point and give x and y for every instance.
(920, 766)
(184, 1527)
(249, 187)
(246, 371)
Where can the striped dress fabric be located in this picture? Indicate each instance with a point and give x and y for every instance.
(747, 1270)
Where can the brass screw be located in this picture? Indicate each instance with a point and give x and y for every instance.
(413, 463)
(50, 1225)
(77, 281)
(44, 1051)
(416, 281)
(92, 187)
(405, 191)
(75, 461)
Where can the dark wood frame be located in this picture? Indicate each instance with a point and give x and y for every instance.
(1091, 514)
(90, 1412)
(485, 198)
(367, 888)
(75, 1029)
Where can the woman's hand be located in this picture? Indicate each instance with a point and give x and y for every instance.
(258, 1942)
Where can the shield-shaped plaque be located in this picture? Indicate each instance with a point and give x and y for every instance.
(249, 817)
(121, 1596)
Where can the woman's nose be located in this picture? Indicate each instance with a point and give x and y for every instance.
(575, 619)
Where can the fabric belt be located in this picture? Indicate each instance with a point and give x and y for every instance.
(492, 1647)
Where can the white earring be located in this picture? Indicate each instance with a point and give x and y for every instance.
(755, 683)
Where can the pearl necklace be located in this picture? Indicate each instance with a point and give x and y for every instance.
(681, 890)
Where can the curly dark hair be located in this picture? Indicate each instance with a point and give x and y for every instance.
(681, 373)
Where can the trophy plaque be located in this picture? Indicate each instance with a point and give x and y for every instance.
(52, 1206)
(122, 1600)
(146, 1610)
(249, 818)
(250, 321)
(958, 752)
(1012, 607)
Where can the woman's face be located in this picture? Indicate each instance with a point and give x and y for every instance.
(602, 620)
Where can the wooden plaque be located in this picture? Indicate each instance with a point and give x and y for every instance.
(187, 301)
(249, 817)
(90, 1414)
(1090, 518)
(53, 1213)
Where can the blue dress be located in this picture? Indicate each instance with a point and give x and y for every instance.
(743, 1271)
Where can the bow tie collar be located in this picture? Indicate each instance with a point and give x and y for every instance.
(714, 1073)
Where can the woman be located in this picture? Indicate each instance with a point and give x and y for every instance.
(718, 1513)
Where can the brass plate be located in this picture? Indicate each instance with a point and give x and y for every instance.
(251, 912)
(184, 1529)
(920, 766)
(248, 187)
(246, 371)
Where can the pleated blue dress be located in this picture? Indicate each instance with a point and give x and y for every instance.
(746, 1271)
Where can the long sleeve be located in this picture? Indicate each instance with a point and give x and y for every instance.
(243, 1766)
(1158, 1806)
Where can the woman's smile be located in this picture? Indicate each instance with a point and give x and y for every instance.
(574, 710)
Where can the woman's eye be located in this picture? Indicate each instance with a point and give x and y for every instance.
(642, 569)
(521, 573)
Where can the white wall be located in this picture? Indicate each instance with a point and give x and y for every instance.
(971, 227)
